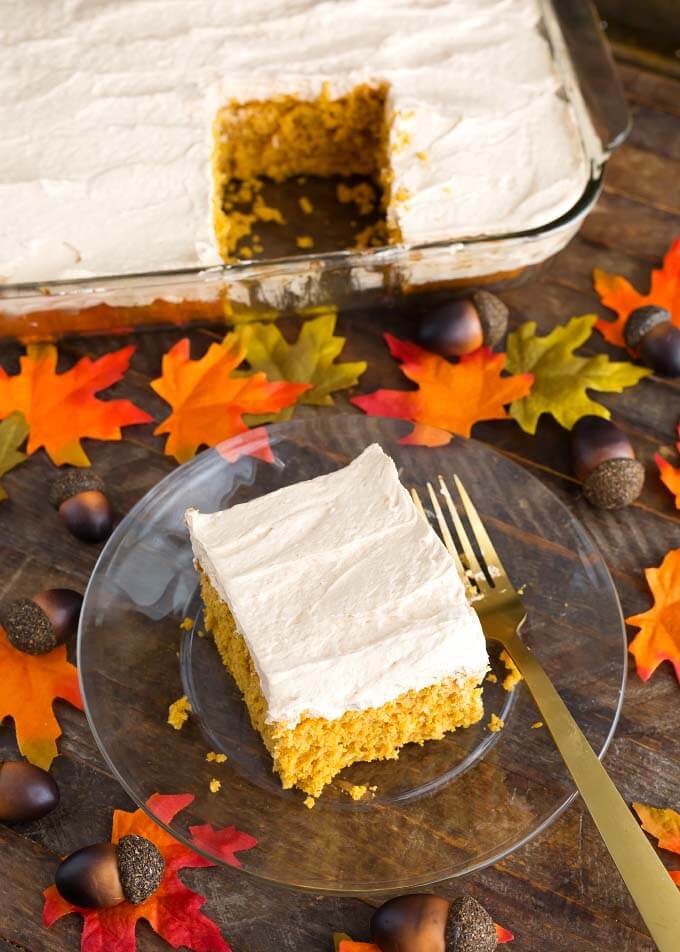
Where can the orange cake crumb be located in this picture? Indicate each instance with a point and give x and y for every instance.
(215, 785)
(309, 802)
(491, 678)
(187, 624)
(513, 677)
(304, 241)
(535, 726)
(496, 723)
(306, 205)
(211, 756)
(363, 195)
(178, 712)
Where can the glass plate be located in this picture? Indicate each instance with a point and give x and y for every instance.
(440, 810)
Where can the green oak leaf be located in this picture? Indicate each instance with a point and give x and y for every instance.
(309, 360)
(13, 432)
(561, 379)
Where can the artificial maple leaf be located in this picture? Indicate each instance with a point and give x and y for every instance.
(451, 397)
(61, 409)
(309, 360)
(670, 475)
(13, 432)
(173, 911)
(208, 403)
(562, 378)
(30, 684)
(659, 636)
(618, 294)
(665, 826)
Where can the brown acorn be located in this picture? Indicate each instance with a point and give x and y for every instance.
(37, 625)
(651, 334)
(80, 497)
(464, 324)
(425, 923)
(106, 874)
(27, 792)
(604, 460)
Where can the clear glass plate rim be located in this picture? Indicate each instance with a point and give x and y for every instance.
(359, 889)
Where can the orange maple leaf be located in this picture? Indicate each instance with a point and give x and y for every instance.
(173, 911)
(208, 403)
(670, 475)
(618, 294)
(665, 826)
(451, 397)
(61, 409)
(30, 683)
(659, 636)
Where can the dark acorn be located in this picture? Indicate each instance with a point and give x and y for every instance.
(80, 497)
(464, 324)
(103, 875)
(27, 792)
(425, 923)
(651, 334)
(604, 461)
(37, 625)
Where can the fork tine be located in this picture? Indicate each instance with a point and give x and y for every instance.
(480, 579)
(446, 536)
(481, 535)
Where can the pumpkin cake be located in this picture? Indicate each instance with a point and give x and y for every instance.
(123, 124)
(341, 617)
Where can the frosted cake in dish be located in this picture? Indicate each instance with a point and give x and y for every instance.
(121, 123)
(341, 617)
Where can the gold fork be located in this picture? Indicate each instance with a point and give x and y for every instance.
(502, 614)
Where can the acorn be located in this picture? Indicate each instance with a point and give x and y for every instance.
(80, 497)
(651, 334)
(464, 324)
(425, 923)
(27, 792)
(37, 625)
(106, 874)
(604, 461)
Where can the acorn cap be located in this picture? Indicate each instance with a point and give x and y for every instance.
(28, 627)
(615, 483)
(140, 867)
(642, 320)
(493, 316)
(469, 927)
(73, 482)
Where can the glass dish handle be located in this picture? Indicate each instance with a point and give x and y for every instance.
(599, 80)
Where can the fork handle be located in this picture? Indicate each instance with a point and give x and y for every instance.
(653, 891)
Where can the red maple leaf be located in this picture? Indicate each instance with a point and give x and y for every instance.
(618, 294)
(670, 475)
(173, 911)
(450, 398)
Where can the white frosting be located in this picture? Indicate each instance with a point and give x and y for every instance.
(106, 110)
(345, 597)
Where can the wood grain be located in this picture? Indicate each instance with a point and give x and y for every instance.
(559, 893)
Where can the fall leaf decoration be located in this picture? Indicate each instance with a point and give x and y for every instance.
(561, 378)
(618, 294)
(30, 684)
(13, 432)
(343, 943)
(670, 475)
(451, 397)
(208, 402)
(62, 409)
(173, 911)
(310, 360)
(664, 825)
(659, 636)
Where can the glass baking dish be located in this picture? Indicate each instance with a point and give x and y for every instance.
(261, 288)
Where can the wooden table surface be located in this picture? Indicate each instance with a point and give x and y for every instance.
(561, 892)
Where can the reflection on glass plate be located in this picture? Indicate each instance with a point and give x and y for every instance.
(441, 810)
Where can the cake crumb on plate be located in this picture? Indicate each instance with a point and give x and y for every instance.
(513, 676)
(496, 723)
(309, 802)
(187, 624)
(178, 712)
(215, 785)
(214, 757)
(535, 726)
